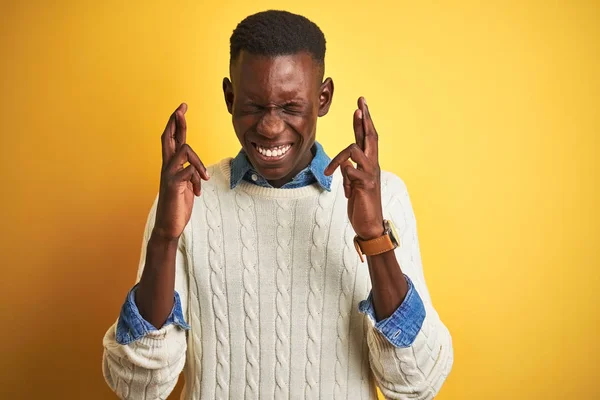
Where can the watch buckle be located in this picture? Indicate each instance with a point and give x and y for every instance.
(358, 249)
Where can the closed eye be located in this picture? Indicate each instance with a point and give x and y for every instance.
(293, 108)
(293, 111)
(251, 109)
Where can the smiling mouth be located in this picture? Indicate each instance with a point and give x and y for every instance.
(273, 153)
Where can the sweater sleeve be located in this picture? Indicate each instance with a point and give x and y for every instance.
(149, 368)
(416, 371)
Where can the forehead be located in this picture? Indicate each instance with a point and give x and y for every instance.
(267, 79)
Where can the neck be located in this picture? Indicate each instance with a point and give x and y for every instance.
(304, 162)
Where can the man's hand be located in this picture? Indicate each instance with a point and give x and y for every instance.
(362, 184)
(178, 184)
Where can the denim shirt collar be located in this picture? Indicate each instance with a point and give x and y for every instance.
(242, 169)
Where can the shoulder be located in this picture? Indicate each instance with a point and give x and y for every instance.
(220, 169)
(219, 176)
(396, 201)
(392, 184)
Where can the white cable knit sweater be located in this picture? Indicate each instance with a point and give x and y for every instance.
(270, 283)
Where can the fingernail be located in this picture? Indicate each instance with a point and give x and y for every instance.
(365, 101)
(360, 114)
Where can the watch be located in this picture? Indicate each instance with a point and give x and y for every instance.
(388, 242)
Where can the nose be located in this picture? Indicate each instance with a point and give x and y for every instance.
(270, 124)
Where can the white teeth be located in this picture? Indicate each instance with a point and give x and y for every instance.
(273, 151)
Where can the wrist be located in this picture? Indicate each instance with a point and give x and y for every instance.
(160, 237)
(378, 230)
(379, 242)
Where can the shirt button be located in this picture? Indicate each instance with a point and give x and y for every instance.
(254, 177)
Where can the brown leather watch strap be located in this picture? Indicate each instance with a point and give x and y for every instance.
(373, 247)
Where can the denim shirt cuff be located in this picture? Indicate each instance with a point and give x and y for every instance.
(400, 328)
(131, 326)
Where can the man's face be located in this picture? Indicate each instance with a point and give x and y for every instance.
(274, 103)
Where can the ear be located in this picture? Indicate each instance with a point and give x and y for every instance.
(228, 93)
(325, 96)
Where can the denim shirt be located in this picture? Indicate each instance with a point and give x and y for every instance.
(400, 328)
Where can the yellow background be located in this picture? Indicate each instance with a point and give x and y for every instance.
(489, 112)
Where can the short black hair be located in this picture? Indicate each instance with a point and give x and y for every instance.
(276, 33)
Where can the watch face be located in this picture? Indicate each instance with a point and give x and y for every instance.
(389, 225)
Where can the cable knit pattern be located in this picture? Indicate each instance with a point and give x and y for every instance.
(282, 301)
(250, 338)
(251, 304)
(195, 380)
(343, 321)
(217, 281)
(315, 295)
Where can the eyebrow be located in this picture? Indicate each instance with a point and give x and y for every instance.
(292, 102)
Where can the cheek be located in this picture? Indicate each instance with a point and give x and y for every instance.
(304, 125)
(241, 124)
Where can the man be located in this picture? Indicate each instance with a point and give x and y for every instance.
(250, 279)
